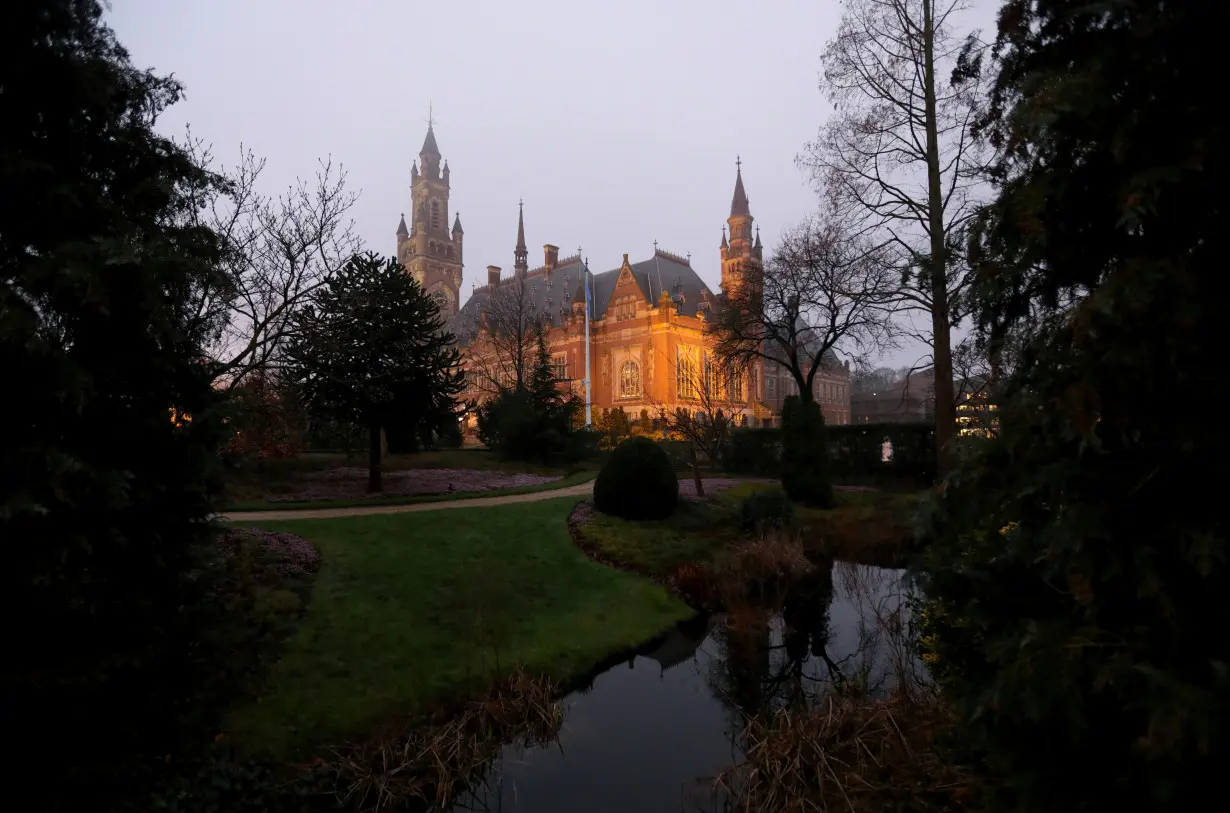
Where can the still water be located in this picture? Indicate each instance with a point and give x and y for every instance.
(653, 733)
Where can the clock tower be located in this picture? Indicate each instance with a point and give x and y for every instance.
(429, 250)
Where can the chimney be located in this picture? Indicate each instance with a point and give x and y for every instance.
(550, 257)
(493, 276)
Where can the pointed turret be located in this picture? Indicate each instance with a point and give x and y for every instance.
(429, 143)
(457, 224)
(757, 238)
(724, 243)
(521, 254)
(401, 227)
(429, 252)
(742, 254)
(429, 156)
(738, 203)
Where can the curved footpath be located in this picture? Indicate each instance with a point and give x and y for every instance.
(578, 490)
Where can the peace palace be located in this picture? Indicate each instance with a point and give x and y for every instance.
(647, 340)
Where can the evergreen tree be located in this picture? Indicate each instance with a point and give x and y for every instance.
(531, 420)
(371, 349)
(109, 472)
(1078, 578)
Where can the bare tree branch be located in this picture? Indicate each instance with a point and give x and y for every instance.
(277, 251)
(898, 160)
(503, 352)
(717, 394)
(824, 293)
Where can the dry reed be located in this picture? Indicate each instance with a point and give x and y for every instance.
(436, 762)
(749, 569)
(849, 753)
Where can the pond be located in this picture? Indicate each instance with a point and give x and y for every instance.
(653, 732)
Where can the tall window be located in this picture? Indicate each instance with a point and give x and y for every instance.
(559, 368)
(629, 380)
(734, 388)
(685, 369)
(435, 214)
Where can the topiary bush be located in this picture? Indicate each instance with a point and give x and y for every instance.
(764, 509)
(638, 482)
(805, 454)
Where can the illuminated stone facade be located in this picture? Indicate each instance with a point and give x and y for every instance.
(648, 348)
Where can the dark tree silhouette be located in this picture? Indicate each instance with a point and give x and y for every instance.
(371, 349)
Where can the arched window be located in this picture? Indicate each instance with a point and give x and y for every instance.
(435, 214)
(630, 380)
(685, 368)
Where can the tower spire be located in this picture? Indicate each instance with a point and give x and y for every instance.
(738, 204)
(521, 255)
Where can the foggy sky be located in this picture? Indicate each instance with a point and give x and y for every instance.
(618, 123)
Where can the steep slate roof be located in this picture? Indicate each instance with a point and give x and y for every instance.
(738, 203)
(429, 143)
(563, 287)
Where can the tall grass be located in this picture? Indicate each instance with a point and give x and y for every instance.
(434, 764)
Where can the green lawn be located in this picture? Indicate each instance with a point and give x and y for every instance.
(870, 527)
(576, 478)
(657, 547)
(413, 610)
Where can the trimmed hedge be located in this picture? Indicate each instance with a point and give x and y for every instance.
(854, 451)
(805, 454)
(638, 482)
(754, 451)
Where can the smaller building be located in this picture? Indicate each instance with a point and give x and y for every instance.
(909, 401)
(830, 388)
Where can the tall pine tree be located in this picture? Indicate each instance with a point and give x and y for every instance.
(108, 472)
(372, 350)
(1079, 574)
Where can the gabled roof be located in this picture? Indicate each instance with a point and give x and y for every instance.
(554, 293)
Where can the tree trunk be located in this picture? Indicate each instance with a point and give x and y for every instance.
(695, 463)
(374, 484)
(945, 408)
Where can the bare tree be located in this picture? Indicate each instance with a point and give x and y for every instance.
(898, 160)
(503, 353)
(823, 292)
(866, 379)
(717, 394)
(276, 252)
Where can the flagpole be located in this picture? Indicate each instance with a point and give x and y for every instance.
(589, 413)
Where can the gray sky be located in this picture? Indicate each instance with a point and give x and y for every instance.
(618, 123)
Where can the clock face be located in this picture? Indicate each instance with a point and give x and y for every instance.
(441, 300)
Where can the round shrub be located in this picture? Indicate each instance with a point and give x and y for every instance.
(638, 482)
(764, 509)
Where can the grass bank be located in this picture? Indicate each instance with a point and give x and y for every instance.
(411, 611)
(869, 527)
(575, 478)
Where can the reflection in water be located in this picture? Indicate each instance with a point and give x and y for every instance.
(652, 733)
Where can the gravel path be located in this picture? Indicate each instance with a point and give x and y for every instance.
(579, 490)
(350, 483)
(686, 489)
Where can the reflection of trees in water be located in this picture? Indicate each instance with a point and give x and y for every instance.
(766, 657)
(785, 655)
(883, 657)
